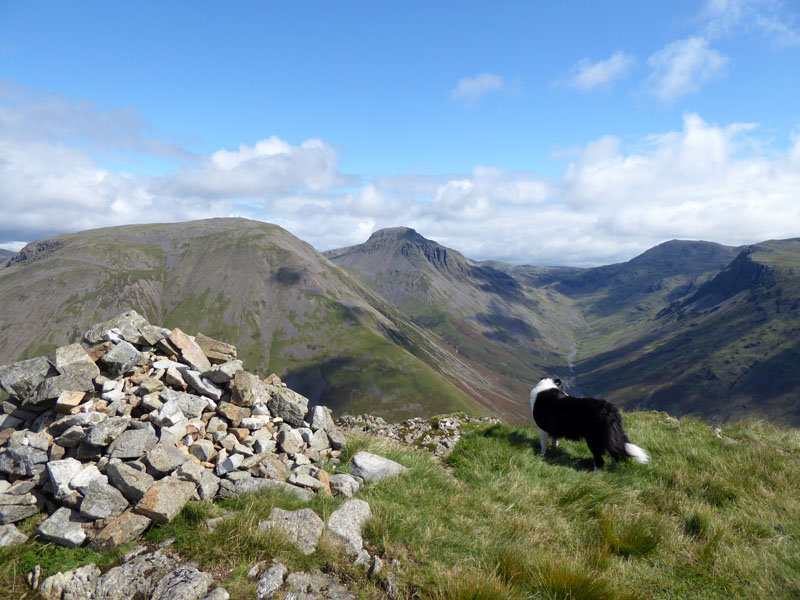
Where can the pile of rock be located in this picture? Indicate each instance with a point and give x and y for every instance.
(123, 429)
(438, 435)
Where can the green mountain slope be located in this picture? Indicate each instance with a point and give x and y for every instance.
(725, 348)
(252, 284)
(513, 331)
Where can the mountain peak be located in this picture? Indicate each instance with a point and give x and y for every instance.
(396, 233)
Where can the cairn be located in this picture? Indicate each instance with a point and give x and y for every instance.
(124, 428)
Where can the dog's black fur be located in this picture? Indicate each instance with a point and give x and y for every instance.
(595, 420)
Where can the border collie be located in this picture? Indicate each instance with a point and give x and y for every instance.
(559, 415)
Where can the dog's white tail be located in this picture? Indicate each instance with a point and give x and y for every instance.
(637, 454)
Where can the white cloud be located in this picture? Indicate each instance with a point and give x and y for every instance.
(587, 76)
(682, 67)
(471, 89)
(724, 183)
(767, 17)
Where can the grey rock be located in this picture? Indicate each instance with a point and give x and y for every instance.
(82, 419)
(337, 439)
(191, 353)
(131, 326)
(223, 373)
(307, 481)
(75, 584)
(271, 581)
(64, 527)
(346, 523)
(88, 474)
(209, 485)
(321, 419)
(191, 471)
(345, 485)
(131, 482)
(231, 463)
(315, 586)
(185, 582)
(165, 499)
(247, 389)
(319, 441)
(164, 458)
(52, 387)
(202, 385)
(203, 450)
(133, 443)
(101, 500)
(191, 405)
(290, 441)
(9, 422)
(106, 432)
(11, 513)
(21, 460)
(74, 359)
(134, 579)
(215, 350)
(11, 536)
(61, 473)
(120, 530)
(217, 594)
(302, 528)
(169, 413)
(371, 467)
(71, 437)
(288, 405)
(20, 379)
(121, 359)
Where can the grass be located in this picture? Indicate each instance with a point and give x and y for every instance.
(705, 519)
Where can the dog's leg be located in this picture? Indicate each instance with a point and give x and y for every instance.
(597, 448)
(613, 462)
(543, 436)
(554, 443)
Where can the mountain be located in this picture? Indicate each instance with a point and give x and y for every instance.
(515, 332)
(287, 309)
(403, 326)
(720, 342)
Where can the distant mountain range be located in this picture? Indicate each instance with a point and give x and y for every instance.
(402, 326)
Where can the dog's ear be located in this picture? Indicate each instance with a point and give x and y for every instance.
(557, 382)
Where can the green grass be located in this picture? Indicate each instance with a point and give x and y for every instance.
(705, 519)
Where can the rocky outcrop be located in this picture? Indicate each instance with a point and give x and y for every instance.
(127, 426)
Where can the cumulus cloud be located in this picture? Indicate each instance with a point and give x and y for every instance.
(588, 75)
(767, 17)
(470, 90)
(613, 201)
(682, 67)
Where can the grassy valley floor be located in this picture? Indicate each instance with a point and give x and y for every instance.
(709, 517)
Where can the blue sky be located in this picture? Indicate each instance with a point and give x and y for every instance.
(548, 133)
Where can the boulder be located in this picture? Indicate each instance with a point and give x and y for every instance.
(216, 351)
(11, 536)
(185, 582)
(101, 500)
(74, 359)
(191, 353)
(271, 581)
(288, 405)
(20, 379)
(131, 482)
(346, 523)
(302, 528)
(133, 443)
(120, 530)
(165, 499)
(121, 359)
(371, 467)
(64, 527)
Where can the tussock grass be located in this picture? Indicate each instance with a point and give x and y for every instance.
(705, 519)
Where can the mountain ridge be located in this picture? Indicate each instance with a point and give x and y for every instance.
(355, 324)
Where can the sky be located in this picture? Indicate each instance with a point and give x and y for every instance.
(546, 133)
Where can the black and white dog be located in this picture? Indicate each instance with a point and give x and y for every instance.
(559, 415)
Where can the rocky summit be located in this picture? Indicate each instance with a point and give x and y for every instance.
(124, 427)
